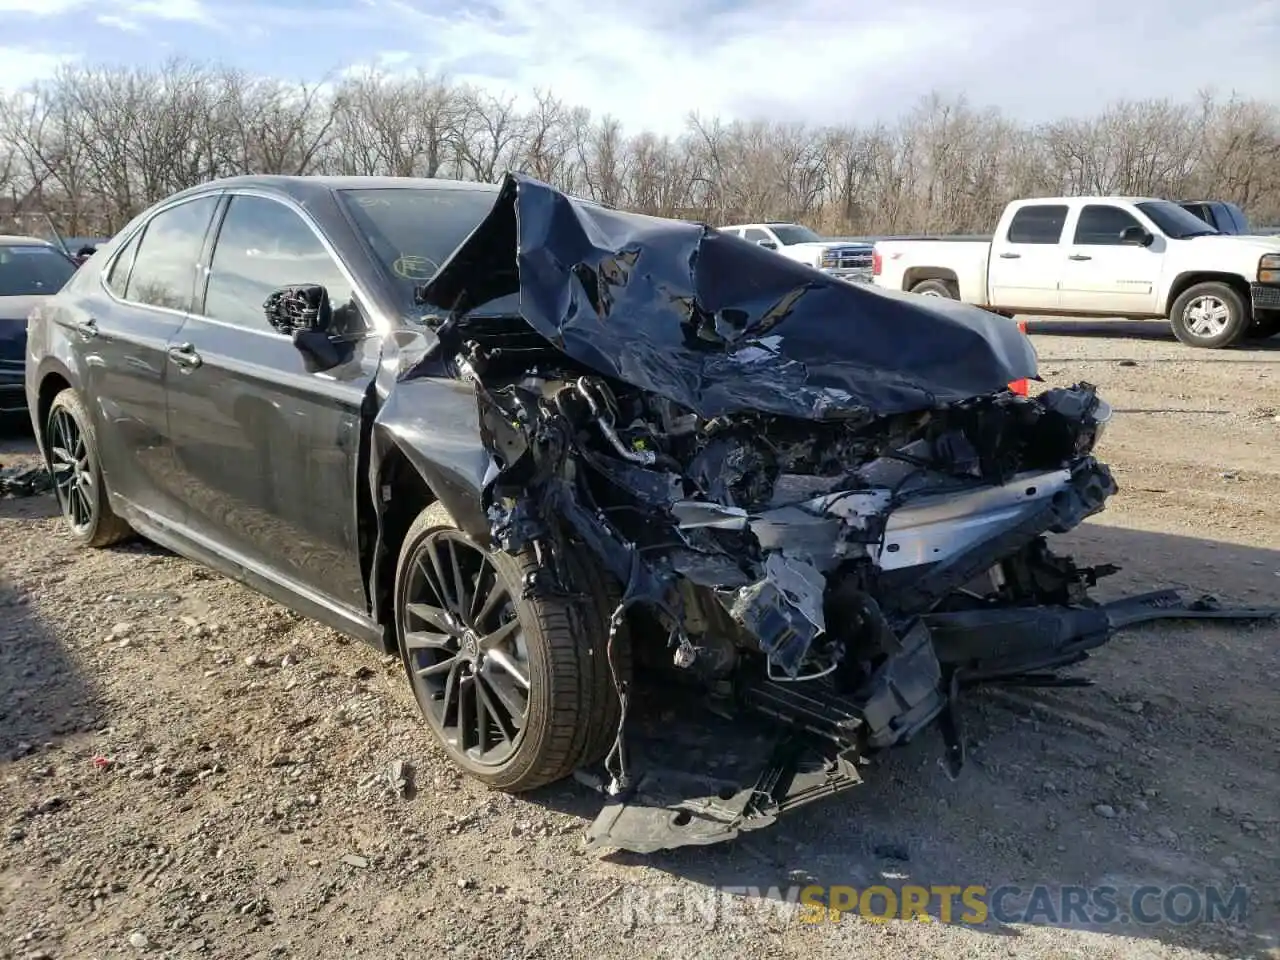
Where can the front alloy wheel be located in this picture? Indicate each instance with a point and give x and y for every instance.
(515, 688)
(466, 648)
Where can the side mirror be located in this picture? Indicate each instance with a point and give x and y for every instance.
(304, 313)
(1135, 237)
(767, 244)
(301, 307)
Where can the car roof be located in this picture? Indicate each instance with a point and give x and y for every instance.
(14, 239)
(304, 188)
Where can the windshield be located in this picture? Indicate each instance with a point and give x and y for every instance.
(789, 233)
(29, 270)
(412, 231)
(1174, 221)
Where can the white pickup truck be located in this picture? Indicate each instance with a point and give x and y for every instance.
(1102, 257)
(848, 260)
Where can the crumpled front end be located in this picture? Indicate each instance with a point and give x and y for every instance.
(825, 498)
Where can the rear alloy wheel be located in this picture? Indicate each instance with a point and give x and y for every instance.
(1209, 315)
(936, 288)
(514, 688)
(72, 450)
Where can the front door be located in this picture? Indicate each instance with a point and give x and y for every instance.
(268, 446)
(1026, 263)
(1103, 275)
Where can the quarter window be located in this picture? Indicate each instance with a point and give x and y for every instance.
(1101, 225)
(262, 246)
(118, 278)
(1038, 223)
(164, 266)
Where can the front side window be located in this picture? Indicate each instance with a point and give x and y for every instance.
(1101, 225)
(755, 235)
(1038, 223)
(262, 246)
(164, 267)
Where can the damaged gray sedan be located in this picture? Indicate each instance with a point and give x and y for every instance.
(571, 463)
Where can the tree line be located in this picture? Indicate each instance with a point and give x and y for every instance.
(93, 145)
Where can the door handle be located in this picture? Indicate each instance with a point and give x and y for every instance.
(185, 356)
(1010, 256)
(89, 328)
(1079, 256)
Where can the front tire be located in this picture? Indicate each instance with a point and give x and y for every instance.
(515, 689)
(1210, 315)
(71, 448)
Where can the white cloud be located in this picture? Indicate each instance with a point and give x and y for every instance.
(45, 8)
(837, 61)
(119, 23)
(112, 10)
(191, 11)
(20, 66)
(388, 63)
(820, 61)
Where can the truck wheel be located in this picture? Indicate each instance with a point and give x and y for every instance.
(1209, 315)
(937, 288)
(1264, 325)
(72, 450)
(516, 689)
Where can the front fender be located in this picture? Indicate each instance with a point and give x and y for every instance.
(435, 424)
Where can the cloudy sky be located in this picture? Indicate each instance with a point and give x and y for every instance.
(651, 62)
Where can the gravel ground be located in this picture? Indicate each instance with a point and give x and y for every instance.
(188, 769)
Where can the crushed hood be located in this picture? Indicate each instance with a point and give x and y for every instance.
(716, 323)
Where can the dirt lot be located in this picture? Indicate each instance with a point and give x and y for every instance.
(189, 769)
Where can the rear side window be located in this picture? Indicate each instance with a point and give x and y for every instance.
(164, 267)
(1038, 223)
(28, 270)
(1101, 225)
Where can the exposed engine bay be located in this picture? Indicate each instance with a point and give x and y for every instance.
(839, 560)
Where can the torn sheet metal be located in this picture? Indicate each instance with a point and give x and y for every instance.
(783, 610)
(716, 795)
(715, 323)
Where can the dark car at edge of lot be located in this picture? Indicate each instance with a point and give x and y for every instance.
(31, 269)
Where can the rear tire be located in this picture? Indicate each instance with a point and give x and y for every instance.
(545, 699)
(1210, 315)
(71, 449)
(937, 288)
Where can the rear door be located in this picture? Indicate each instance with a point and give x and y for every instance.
(1026, 261)
(1103, 275)
(121, 330)
(267, 445)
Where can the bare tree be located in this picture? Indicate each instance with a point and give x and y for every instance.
(92, 146)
